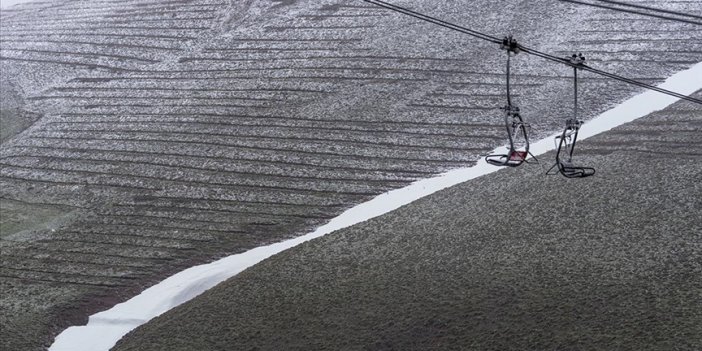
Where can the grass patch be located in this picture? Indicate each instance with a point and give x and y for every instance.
(13, 121)
(16, 216)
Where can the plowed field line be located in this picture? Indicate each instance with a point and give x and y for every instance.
(414, 173)
(294, 190)
(260, 148)
(284, 138)
(176, 166)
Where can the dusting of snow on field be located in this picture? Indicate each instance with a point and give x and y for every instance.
(104, 329)
(7, 3)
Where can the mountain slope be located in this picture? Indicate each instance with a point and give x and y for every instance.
(161, 134)
(511, 261)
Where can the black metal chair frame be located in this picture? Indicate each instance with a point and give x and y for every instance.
(515, 126)
(566, 141)
(566, 145)
(514, 123)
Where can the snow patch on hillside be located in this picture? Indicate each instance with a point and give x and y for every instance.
(7, 3)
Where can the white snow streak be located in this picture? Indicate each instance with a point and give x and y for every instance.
(7, 3)
(104, 329)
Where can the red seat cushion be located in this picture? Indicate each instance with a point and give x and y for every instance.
(517, 156)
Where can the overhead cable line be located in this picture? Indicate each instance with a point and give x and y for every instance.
(650, 8)
(683, 20)
(434, 20)
(565, 61)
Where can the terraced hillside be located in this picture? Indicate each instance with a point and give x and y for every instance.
(510, 261)
(152, 135)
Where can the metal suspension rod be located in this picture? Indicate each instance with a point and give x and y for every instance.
(575, 112)
(575, 94)
(528, 50)
(635, 12)
(509, 96)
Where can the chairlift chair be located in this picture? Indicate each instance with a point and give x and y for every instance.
(514, 123)
(565, 143)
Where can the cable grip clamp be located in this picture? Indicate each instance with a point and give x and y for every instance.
(511, 110)
(577, 60)
(510, 44)
(573, 123)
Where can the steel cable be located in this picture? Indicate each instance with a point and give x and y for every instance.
(434, 20)
(650, 8)
(682, 20)
(527, 50)
(565, 61)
